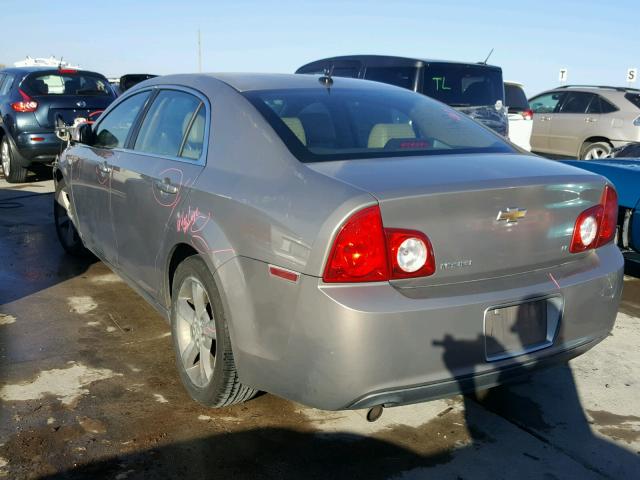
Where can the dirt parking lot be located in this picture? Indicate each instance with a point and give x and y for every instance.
(88, 389)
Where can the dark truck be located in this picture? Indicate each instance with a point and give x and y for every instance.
(476, 89)
(32, 100)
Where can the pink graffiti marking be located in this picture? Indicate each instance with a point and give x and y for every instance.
(191, 221)
(174, 199)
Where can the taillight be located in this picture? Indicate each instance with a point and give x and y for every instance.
(596, 226)
(410, 253)
(528, 114)
(26, 105)
(364, 251)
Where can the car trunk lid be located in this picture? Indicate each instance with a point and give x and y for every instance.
(67, 107)
(486, 215)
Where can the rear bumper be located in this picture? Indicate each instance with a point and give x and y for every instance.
(37, 147)
(339, 346)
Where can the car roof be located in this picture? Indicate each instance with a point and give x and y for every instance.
(245, 82)
(26, 70)
(387, 60)
(517, 84)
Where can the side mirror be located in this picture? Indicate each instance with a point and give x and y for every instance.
(83, 134)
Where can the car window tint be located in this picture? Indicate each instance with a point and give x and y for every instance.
(340, 124)
(112, 131)
(399, 76)
(194, 141)
(66, 84)
(546, 103)
(606, 106)
(515, 99)
(576, 102)
(633, 98)
(166, 123)
(463, 85)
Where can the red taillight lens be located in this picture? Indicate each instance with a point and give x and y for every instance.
(596, 226)
(364, 251)
(609, 223)
(359, 250)
(26, 105)
(528, 114)
(410, 254)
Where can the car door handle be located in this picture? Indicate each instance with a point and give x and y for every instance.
(104, 167)
(590, 120)
(166, 187)
(544, 118)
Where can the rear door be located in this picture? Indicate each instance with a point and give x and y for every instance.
(91, 169)
(544, 107)
(570, 124)
(153, 175)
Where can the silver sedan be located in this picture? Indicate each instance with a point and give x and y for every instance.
(341, 243)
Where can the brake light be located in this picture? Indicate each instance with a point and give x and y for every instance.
(26, 105)
(364, 251)
(67, 70)
(596, 226)
(528, 114)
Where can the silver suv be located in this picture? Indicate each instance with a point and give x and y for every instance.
(585, 122)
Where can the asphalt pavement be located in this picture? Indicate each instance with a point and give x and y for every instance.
(88, 389)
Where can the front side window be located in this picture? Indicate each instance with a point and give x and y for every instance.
(461, 85)
(113, 130)
(546, 103)
(166, 123)
(66, 84)
(341, 124)
(577, 102)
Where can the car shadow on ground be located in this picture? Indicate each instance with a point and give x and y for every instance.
(30, 253)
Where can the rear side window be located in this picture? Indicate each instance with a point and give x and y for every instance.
(546, 103)
(342, 124)
(600, 105)
(463, 85)
(6, 80)
(577, 102)
(167, 122)
(113, 130)
(404, 77)
(515, 99)
(633, 98)
(66, 84)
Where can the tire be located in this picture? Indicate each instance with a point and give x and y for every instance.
(212, 382)
(65, 229)
(595, 150)
(13, 172)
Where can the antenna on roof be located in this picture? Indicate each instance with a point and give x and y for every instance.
(487, 59)
(326, 79)
(60, 63)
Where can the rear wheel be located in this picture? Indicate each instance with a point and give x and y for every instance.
(595, 150)
(201, 338)
(13, 172)
(65, 229)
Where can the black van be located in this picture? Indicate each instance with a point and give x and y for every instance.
(476, 89)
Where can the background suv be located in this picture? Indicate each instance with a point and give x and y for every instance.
(472, 88)
(585, 122)
(31, 99)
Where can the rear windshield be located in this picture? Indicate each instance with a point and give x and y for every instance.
(633, 98)
(55, 83)
(515, 99)
(319, 125)
(463, 85)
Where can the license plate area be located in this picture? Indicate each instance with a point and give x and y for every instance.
(519, 328)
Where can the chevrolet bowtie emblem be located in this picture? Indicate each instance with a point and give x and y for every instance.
(511, 215)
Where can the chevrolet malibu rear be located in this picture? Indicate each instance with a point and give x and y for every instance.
(364, 245)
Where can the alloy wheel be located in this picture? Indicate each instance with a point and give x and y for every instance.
(196, 332)
(596, 153)
(6, 162)
(63, 222)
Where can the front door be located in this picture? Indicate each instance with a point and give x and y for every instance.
(152, 177)
(91, 174)
(544, 107)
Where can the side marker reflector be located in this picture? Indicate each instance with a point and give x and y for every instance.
(283, 273)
